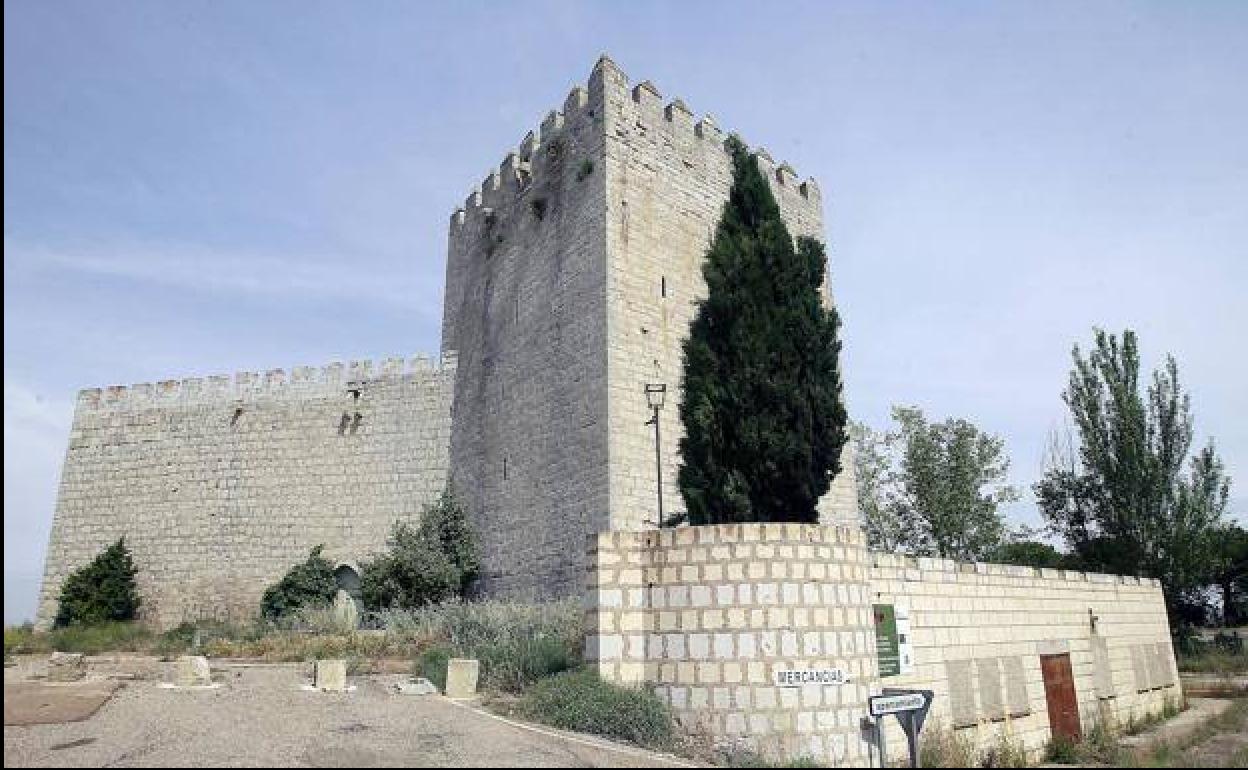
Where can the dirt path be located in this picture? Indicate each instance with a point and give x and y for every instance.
(262, 717)
(1211, 733)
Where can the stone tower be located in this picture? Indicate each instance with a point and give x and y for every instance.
(572, 274)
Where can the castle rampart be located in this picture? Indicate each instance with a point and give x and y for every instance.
(221, 484)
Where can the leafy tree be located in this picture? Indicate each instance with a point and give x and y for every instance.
(428, 563)
(932, 489)
(307, 584)
(1230, 572)
(1122, 501)
(445, 524)
(1028, 553)
(886, 518)
(953, 475)
(762, 409)
(103, 591)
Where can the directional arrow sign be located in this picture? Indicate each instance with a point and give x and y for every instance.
(881, 705)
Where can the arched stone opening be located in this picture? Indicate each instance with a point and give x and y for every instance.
(348, 579)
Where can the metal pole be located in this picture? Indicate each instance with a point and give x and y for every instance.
(912, 736)
(658, 463)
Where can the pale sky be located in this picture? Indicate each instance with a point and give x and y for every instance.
(197, 188)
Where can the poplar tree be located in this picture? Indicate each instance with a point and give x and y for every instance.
(1122, 501)
(762, 408)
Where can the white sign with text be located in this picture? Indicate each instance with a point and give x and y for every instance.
(815, 676)
(894, 704)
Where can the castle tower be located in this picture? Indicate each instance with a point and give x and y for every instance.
(572, 274)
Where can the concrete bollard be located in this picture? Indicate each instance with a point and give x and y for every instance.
(461, 678)
(66, 667)
(193, 671)
(331, 676)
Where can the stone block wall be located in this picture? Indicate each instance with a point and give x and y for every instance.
(707, 615)
(668, 175)
(525, 307)
(571, 276)
(220, 485)
(978, 631)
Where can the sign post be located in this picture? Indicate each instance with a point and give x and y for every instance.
(910, 707)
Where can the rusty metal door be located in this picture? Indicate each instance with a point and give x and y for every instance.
(1059, 693)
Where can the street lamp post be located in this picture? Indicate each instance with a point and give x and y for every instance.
(655, 393)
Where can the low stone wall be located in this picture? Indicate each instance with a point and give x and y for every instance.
(978, 631)
(708, 615)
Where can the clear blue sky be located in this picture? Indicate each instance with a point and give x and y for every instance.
(195, 188)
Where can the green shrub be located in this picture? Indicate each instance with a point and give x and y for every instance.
(310, 583)
(102, 637)
(942, 747)
(580, 700)
(1004, 753)
(429, 563)
(101, 592)
(177, 641)
(513, 664)
(742, 757)
(432, 664)
(1170, 708)
(19, 639)
(1061, 750)
(1213, 661)
(1101, 746)
(516, 643)
(411, 574)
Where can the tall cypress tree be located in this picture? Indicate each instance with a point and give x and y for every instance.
(762, 409)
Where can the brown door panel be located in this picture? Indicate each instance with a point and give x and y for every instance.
(1059, 694)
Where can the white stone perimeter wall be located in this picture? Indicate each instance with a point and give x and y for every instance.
(706, 615)
(978, 631)
(221, 484)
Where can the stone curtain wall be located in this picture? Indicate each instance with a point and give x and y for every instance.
(978, 631)
(668, 175)
(525, 306)
(706, 616)
(220, 485)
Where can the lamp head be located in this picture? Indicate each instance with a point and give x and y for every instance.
(655, 394)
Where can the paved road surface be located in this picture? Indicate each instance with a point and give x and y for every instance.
(262, 717)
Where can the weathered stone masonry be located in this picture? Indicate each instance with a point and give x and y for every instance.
(705, 616)
(572, 274)
(220, 485)
(978, 632)
(572, 277)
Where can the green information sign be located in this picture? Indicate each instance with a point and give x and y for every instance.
(887, 649)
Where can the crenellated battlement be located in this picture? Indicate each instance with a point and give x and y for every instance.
(516, 172)
(913, 567)
(301, 382)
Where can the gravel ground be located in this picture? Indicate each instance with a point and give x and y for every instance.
(262, 717)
